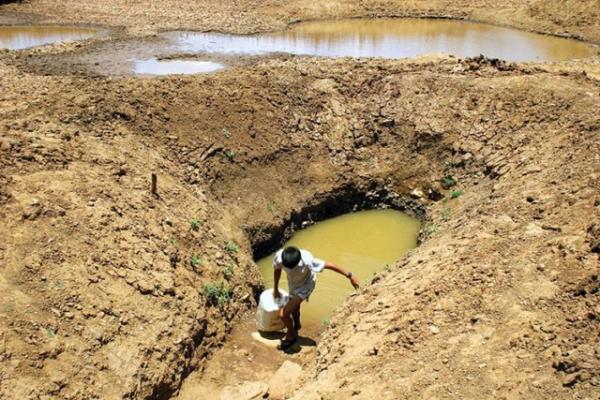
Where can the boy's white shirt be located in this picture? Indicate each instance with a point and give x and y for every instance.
(303, 277)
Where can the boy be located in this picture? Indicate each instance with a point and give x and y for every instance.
(301, 269)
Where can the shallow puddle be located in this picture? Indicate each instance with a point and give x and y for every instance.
(389, 38)
(363, 242)
(22, 37)
(173, 67)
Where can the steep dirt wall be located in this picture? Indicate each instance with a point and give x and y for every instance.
(502, 299)
(101, 294)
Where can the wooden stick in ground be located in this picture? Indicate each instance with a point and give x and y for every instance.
(154, 184)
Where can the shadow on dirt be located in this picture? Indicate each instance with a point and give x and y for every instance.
(303, 341)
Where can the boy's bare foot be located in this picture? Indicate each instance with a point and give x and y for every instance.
(286, 342)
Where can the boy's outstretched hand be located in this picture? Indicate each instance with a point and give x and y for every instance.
(341, 271)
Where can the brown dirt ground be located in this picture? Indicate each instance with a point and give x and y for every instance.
(101, 299)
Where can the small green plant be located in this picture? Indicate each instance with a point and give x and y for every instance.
(326, 322)
(228, 271)
(230, 154)
(448, 181)
(216, 294)
(195, 224)
(446, 214)
(223, 298)
(429, 230)
(456, 194)
(387, 267)
(270, 208)
(173, 241)
(231, 248)
(195, 261)
(226, 133)
(210, 290)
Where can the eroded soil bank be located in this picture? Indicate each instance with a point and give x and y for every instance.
(103, 283)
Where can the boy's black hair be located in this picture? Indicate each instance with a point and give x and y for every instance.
(290, 257)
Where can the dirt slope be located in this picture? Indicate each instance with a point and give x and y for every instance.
(80, 303)
(501, 301)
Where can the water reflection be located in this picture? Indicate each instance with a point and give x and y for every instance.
(389, 38)
(22, 37)
(172, 67)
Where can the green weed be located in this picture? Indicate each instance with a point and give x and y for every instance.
(230, 154)
(231, 248)
(216, 294)
(448, 181)
(195, 224)
(326, 322)
(446, 214)
(429, 230)
(195, 261)
(270, 208)
(456, 194)
(228, 271)
(226, 133)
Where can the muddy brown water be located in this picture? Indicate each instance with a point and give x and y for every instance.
(362, 242)
(174, 67)
(389, 38)
(23, 37)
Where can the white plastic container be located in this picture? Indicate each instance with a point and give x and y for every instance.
(267, 313)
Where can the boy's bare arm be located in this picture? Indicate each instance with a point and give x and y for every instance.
(276, 277)
(342, 271)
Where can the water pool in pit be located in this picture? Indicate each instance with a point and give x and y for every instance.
(23, 37)
(154, 66)
(362, 242)
(388, 38)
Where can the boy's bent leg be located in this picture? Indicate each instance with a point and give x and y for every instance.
(286, 313)
(296, 316)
